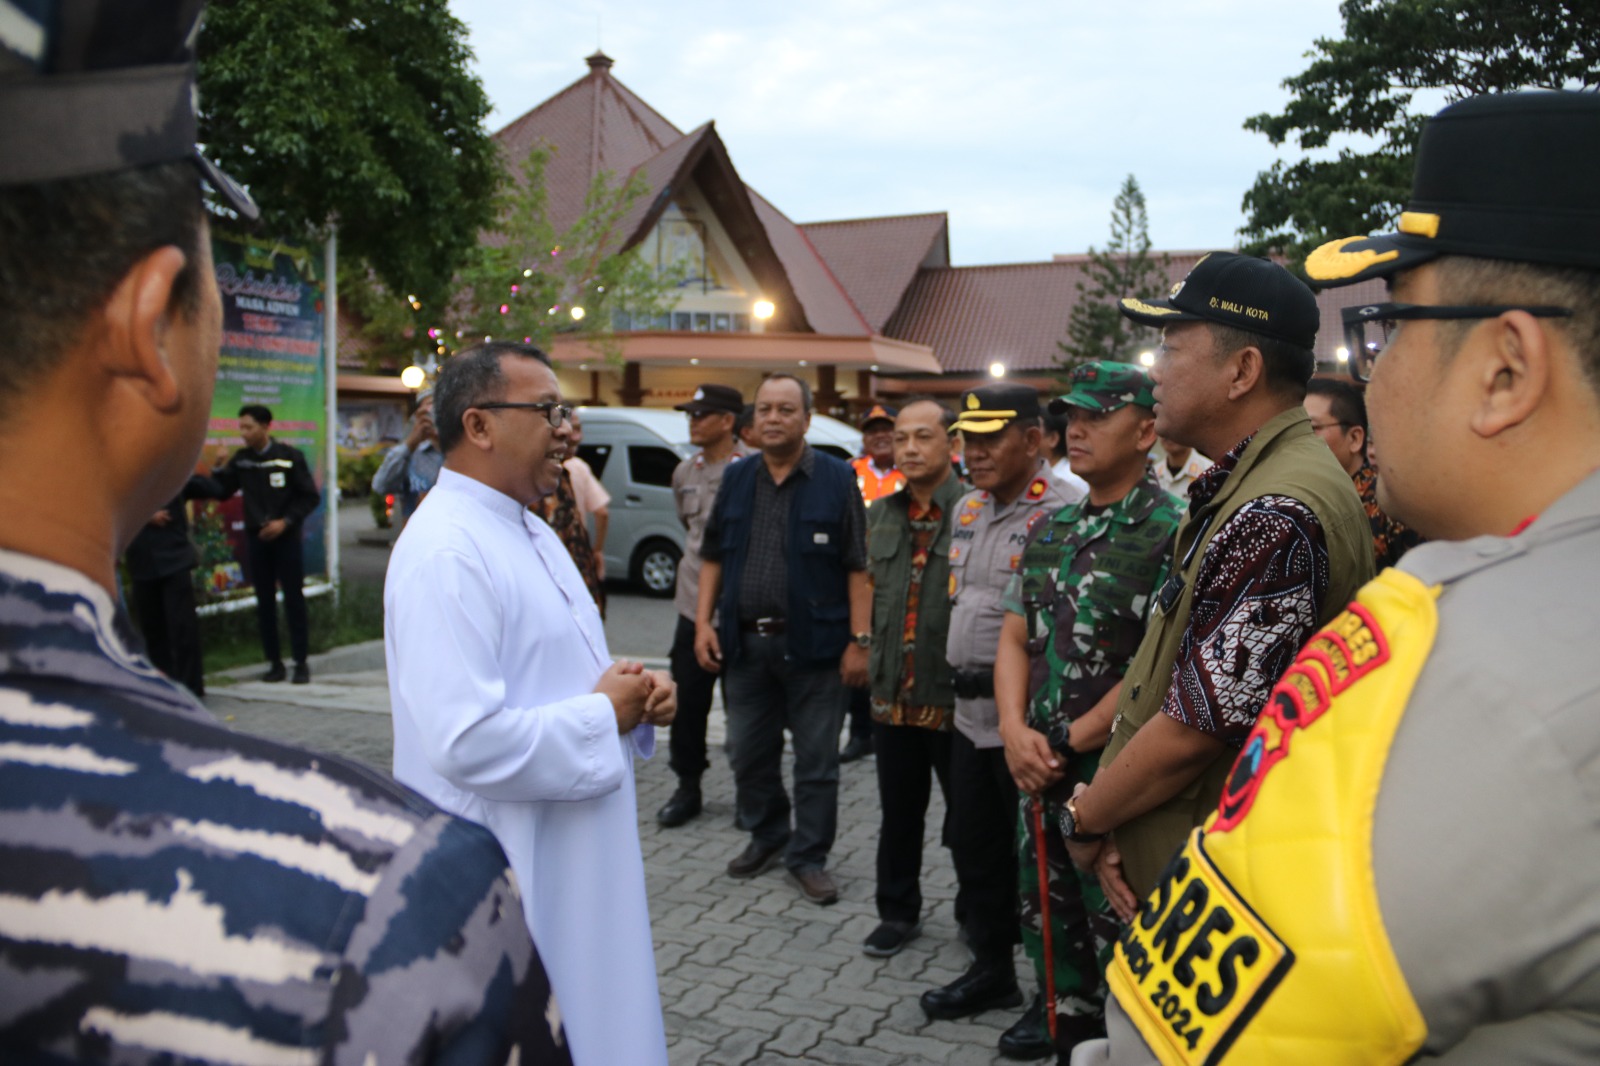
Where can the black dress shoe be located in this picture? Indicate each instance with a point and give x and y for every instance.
(684, 804)
(858, 748)
(890, 938)
(1028, 1039)
(984, 986)
(302, 675)
(756, 858)
(277, 673)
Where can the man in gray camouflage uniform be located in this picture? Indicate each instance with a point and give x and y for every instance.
(171, 890)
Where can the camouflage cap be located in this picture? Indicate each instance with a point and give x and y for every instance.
(1105, 386)
(98, 86)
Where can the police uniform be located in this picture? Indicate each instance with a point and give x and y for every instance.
(1084, 588)
(1402, 864)
(986, 542)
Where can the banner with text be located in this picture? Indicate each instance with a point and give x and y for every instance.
(272, 341)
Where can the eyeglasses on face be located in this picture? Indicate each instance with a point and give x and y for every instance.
(557, 413)
(1369, 328)
(1318, 427)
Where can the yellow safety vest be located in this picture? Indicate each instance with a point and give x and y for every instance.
(1262, 941)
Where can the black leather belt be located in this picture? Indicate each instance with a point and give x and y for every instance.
(763, 627)
(974, 684)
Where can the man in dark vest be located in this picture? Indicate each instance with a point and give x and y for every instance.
(786, 576)
(1274, 545)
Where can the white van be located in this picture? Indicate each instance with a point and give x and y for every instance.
(633, 451)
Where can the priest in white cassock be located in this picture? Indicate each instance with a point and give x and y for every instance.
(508, 709)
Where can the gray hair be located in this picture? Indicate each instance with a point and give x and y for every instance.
(472, 377)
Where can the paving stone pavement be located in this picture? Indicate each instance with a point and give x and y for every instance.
(751, 973)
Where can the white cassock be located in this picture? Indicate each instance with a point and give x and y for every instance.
(494, 647)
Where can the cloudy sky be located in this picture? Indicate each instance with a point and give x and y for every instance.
(1020, 119)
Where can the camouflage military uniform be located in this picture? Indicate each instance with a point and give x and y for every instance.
(1084, 585)
(171, 890)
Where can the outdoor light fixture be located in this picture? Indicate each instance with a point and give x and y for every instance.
(1342, 354)
(694, 362)
(1147, 358)
(577, 313)
(997, 370)
(762, 309)
(412, 377)
(802, 362)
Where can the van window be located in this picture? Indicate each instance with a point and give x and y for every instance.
(650, 465)
(595, 455)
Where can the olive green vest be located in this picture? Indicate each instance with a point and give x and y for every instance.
(1285, 458)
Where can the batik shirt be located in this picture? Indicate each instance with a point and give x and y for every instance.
(1256, 600)
(174, 891)
(1390, 539)
(925, 522)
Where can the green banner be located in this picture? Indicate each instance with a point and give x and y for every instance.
(272, 354)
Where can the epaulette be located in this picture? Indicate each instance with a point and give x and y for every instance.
(1036, 490)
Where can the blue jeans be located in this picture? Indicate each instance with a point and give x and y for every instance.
(767, 694)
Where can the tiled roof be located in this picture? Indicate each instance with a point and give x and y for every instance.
(827, 306)
(595, 124)
(876, 258)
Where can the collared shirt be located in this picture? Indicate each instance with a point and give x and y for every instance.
(1079, 487)
(493, 647)
(986, 543)
(1390, 539)
(409, 474)
(764, 586)
(1178, 481)
(162, 876)
(695, 482)
(1257, 597)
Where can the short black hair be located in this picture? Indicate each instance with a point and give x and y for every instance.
(471, 377)
(1345, 401)
(66, 245)
(1288, 365)
(1471, 280)
(745, 417)
(259, 412)
(805, 388)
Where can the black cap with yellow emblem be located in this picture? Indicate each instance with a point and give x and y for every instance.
(1498, 177)
(991, 408)
(1239, 291)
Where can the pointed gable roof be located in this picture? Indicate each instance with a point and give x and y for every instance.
(875, 259)
(595, 125)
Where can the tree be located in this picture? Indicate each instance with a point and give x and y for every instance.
(361, 112)
(527, 281)
(1096, 329)
(1364, 86)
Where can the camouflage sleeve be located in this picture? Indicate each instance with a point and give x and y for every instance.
(440, 967)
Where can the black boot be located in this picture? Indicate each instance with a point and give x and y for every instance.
(684, 804)
(1028, 1039)
(984, 986)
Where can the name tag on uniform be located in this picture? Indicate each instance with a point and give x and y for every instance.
(277, 479)
(819, 538)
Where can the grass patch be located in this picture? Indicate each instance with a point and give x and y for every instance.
(232, 639)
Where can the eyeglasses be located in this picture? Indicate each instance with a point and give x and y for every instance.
(557, 413)
(1318, 427)
(1368, 329)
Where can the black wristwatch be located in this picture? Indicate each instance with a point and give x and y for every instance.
(1069, 824)
(862, 640)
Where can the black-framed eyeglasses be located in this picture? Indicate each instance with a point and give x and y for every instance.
(1318, 427)
(1369, 328)
(557, 413)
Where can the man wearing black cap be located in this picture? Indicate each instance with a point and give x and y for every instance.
(712, 411)
(169, 889)
(1274, 545)
(1001, 436)
(1446, 901)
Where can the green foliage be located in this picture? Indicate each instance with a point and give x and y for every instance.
(211, 545)
(525, 280)
(361, 112)
(1365, 85)
(356, 470)
(1096, 330)
(232, 639)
